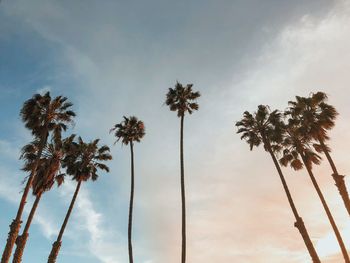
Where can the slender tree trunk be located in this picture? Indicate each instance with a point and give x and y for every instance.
(57, 244)
(326, 208)
(16, 223)
(339, 179)
(183, 194)
(131, 204)
(22, 239)
(299, 224)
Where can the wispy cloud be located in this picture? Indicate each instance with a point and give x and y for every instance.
(237, 210)
(101, 242)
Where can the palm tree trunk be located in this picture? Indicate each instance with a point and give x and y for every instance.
(22, 239)
(299, 224)
(57, 244)
(131, 204)
(16, 223)
(326, 208)
(183, 195)
(339, 179)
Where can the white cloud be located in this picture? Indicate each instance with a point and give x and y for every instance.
(11, 191)
(85, 218)
(9, 150)
(226, 192)
(310, 53)
(99, 242)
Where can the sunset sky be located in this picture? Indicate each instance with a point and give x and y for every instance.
(115, 58)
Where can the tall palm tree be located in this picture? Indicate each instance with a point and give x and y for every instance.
(319, 117)
(47, 173)
(265, 127)
(299, 153)
(130, 130)
(42, 116)
(182, 99)
(82, 161)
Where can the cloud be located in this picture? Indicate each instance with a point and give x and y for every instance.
(11, 191)
(237, 210)
(88, 218)
(85, 222)
(8, 151)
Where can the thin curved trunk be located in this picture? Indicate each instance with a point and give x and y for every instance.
(57, 244)
(16, 223)
(299, 224)
(22, 239)
(131, 204)
(339, 179)
(326, 208)
(183, 195)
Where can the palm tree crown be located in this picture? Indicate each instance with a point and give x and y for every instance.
(41, 114)
(262, 126)
(129, 130)
(314, 114)
(48, 169)
(182, 99)
(83, 160)
(297, 142)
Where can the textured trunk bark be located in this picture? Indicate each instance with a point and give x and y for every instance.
(183, 194)
(54, 252)
(22, 239)
(339, 179)
(11, 240)
(16, 223)
(131, 204)
(57, 244)
(299, 224)
(20, 242)
(326, 208)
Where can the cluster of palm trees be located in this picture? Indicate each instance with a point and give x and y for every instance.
(297, 136)
(45, 157)
(294, 137)
(49, 158)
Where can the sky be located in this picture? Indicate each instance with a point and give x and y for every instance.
(116, 58)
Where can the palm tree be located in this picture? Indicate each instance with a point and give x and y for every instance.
(319, 117)
(128, 131)
(265, 127)
(42, 116)
(298, 153)
(182, 99)
(82, 162)
(47, 173)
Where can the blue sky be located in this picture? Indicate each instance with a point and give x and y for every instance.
(115, 58)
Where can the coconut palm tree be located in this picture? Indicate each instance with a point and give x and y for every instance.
(298, 152)
(318, 118)
(130, 130)
(82, 161)
(182, 99)
(47, 173)
(42, 116)
(265, 127)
